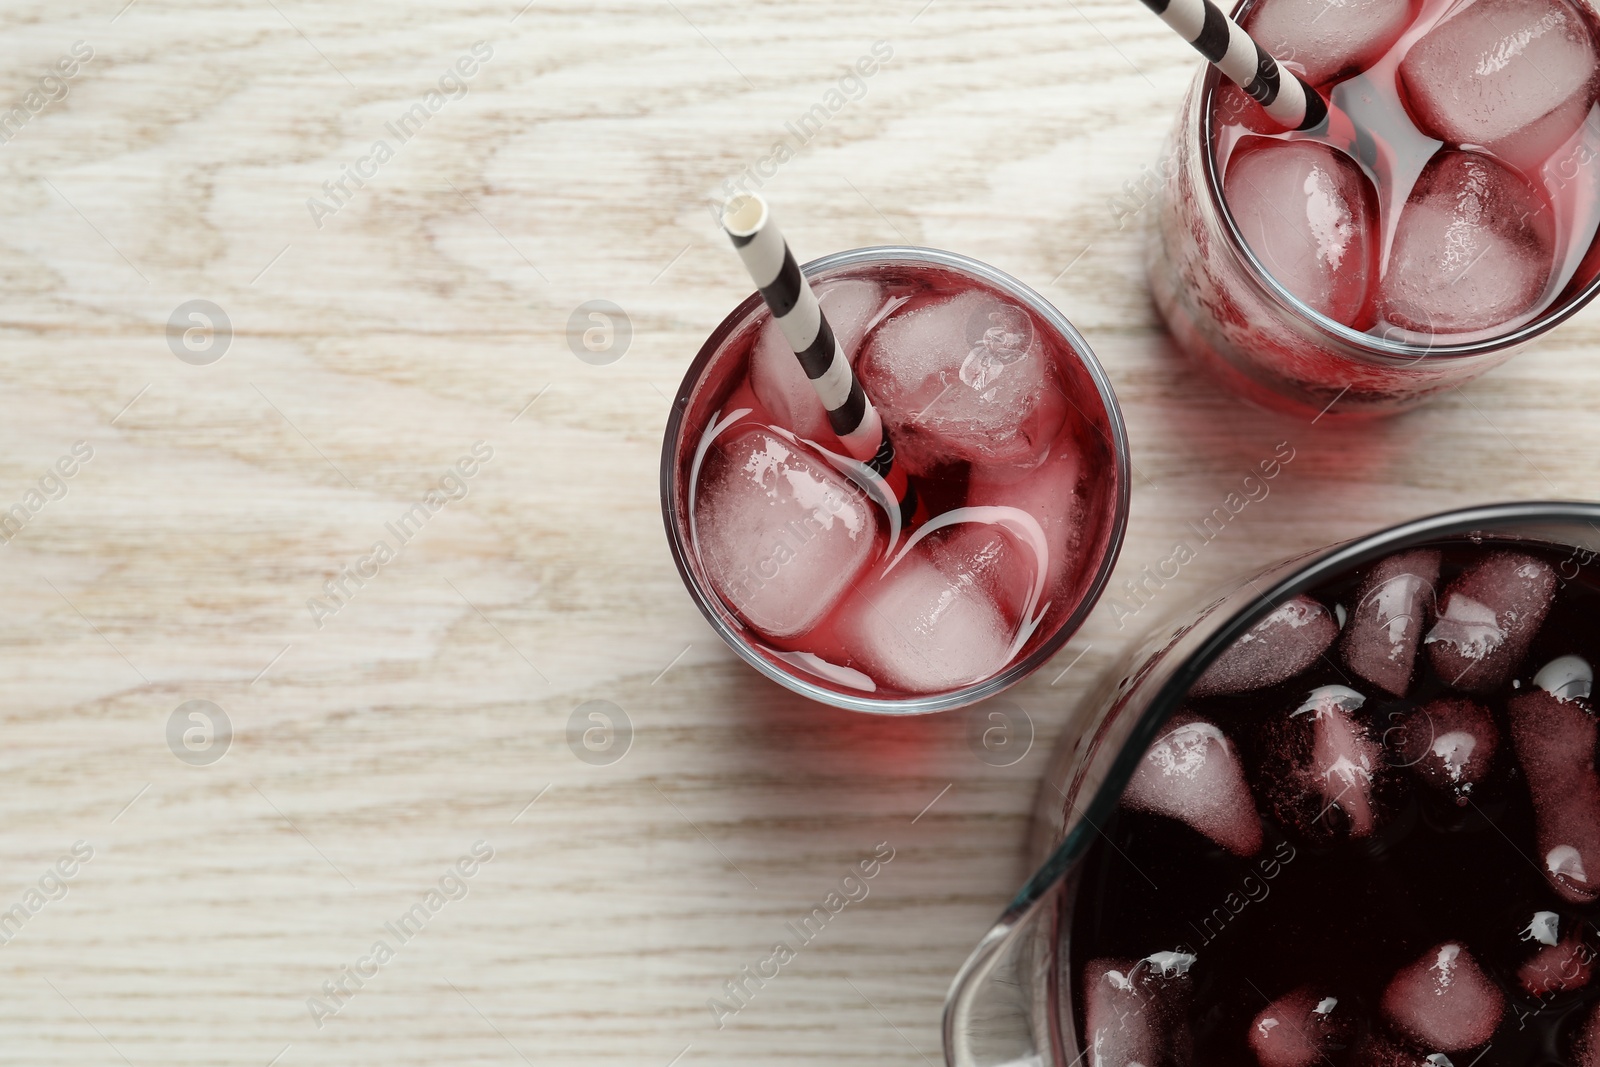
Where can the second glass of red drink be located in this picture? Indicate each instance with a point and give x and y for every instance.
(1446, 215)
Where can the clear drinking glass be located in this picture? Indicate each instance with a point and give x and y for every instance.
(720, 367)
(1240, 324)
(1011, 1002)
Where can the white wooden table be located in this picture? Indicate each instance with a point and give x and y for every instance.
(373, 745)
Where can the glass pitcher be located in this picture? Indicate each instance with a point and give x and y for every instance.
(1011, 1002)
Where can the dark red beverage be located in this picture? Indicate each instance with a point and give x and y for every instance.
(999, 420)
(1371, 834)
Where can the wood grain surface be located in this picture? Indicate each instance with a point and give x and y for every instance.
(370, 344)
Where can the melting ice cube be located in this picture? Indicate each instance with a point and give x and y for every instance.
(965, 378)
(1391, 612)
(1320, 758)
(1450, 742)
(1277, 648)
(1344, 757)
(1515, 76)
(1555, 743)
(988, 557)
(934, 622)
(1191, 773)
(1487, 618)
(1329, 37)
(781, 535)
(1136, 1013)
(1474, 247)
(1050, 494)
(1444, 1000)
(1557, 967)
(1310, 216)
(1298, 1029)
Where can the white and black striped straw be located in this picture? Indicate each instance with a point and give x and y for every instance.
(793, 304)
(1279, 91)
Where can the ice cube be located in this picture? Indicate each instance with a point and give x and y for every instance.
(1487, 618)
(965, 378)
(1450, 742)
(1473, 248)
(1275, 649)
(1191, 773)
(1514, 76)
(931, 624)
(1328, 38)
(1344, 757)
(1391, 612)
(1444, 1000)
(780, 534)
(1137, 1012)
(1555, 740)
(1319, 767)
(1050, 494)
(989, 557)
(1560, 964)
(780, 383)
(1299, 1029)
(1310, 216)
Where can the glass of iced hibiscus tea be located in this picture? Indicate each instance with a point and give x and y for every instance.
(1008, 432)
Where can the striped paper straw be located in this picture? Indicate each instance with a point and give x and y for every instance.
(1279, 91)
(794, 306)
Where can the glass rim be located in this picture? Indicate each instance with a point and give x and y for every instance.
(1316, 567)
(1022, 667)
(1378, 349)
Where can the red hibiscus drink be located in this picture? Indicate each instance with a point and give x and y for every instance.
(1008, 434)
(1369, 836)
(1445, 216)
